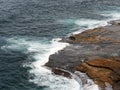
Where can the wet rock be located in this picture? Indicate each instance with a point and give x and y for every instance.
(61, 72)
(115, 22)
(72, 38)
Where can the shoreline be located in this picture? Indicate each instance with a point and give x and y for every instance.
(96, 44)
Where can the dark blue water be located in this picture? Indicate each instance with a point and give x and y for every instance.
(27, 28)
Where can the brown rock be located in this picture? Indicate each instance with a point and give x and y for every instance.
(106, 63)
(97, 35)
(102, 70)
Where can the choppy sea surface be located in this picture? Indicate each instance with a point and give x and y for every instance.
(29, 33)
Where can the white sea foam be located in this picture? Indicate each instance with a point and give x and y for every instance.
(84, 24)
(87, 83)
(90, 24)
(113, 15)
(81, 22)
(44, 76)
(40, 53)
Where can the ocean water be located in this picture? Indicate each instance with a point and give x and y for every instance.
(30, 31)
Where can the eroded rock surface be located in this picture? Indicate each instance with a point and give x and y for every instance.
(102, 71)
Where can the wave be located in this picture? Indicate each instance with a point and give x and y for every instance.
(83, 24)
(39, 51)
(43, 76)
(89, 24)
(112, 15)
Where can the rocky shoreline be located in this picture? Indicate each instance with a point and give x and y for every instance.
(95, 52)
